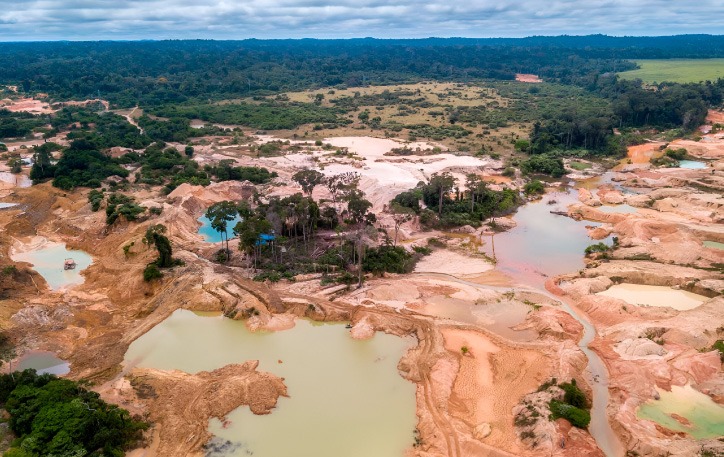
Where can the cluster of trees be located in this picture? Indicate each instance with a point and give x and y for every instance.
(104, 130)
(280, 235)
(81, 164)
(574, 407)
(52, 416)
(19, 124)
(448, 206)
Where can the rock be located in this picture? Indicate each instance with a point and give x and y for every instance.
(639, 348)
(482, 431)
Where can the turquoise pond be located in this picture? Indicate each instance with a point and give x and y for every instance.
(212, 236)
(692, 164)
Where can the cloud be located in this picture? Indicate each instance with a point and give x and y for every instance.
(26, 20)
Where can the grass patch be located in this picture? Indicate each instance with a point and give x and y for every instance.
(676, 70)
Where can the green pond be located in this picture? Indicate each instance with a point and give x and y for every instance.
(714, 245)
(705, 418)
(43, 362)
(346, 397)
(48, 262)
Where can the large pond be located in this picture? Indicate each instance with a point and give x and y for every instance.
(43, 362)
(48, 260)
(346, 396)
(692, 164)
(542, 244)
(638, 294)
(702, 418)
(212, 236)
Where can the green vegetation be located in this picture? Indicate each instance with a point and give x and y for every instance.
(54, 417)
(534, 187)
(18, 125)
(95, 198)
(220, 214)
(458, 208)
(103, 130)
(122, 205)
(264, 116)
(574, 407)
(597, 248)
(155, 236)
(676, 70)
(719, 346)
(544, 164)
(81, 164)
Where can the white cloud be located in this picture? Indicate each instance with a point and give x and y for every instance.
(229, 19)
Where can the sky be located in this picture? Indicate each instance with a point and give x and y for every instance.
(32, 20)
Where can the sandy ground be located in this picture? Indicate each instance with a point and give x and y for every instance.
(452, 263)
(715, 117)
(28, 105)
(527, 78)
(641, 154)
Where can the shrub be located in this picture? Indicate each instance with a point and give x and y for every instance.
(573, 395)
(599, 247)
(576, 416)
(151, 272)
(534, 187)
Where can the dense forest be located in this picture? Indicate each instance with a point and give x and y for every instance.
(161, 72)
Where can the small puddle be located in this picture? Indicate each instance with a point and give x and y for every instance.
(48, 260)
(687, 410)
(638, 294)
(7, 205)
(346, 396)
(16, 180)
(212, 236)
(692, 164)
(714, 245)
(43, 362)
(498, 317)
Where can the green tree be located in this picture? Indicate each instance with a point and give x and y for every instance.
(249, 232)
(308, 179)
(155, 235)
(442, 183)
(220, 214)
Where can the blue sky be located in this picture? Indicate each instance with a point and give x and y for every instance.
(28, 20)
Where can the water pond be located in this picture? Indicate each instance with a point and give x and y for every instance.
(638, 294)
(714, 245)
(342, 391)
(687, 410)
(692, 164)
(7, 205)
(542, 244)
(43, 362)
(212, 236)
(48, 261)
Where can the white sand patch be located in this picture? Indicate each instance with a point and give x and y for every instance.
(454, 264)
